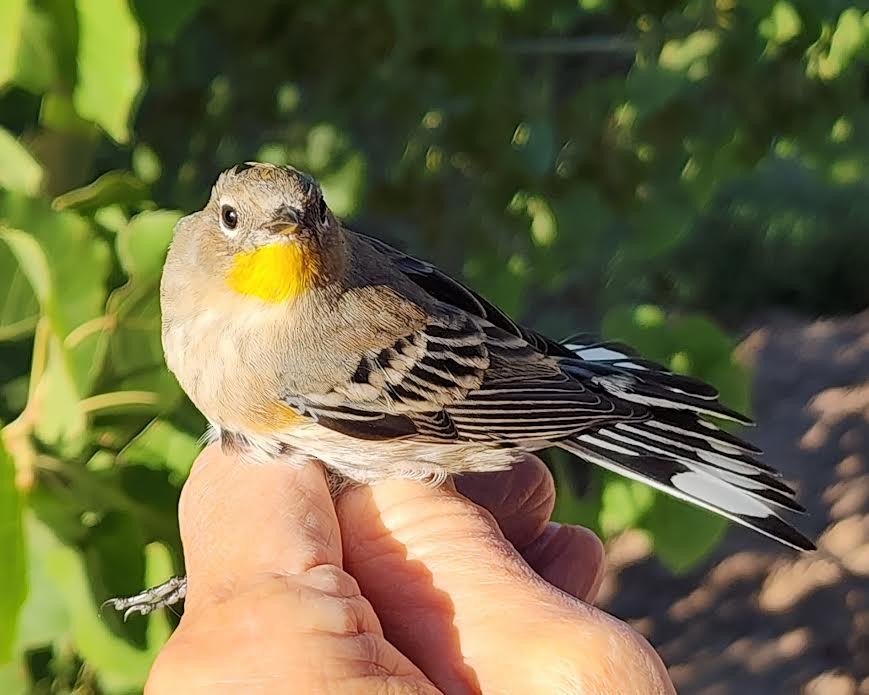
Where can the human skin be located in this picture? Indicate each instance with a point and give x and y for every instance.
(394, 588)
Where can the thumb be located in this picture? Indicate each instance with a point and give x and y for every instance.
(450, 591)
(242, 522)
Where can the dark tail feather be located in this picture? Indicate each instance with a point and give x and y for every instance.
(676, 450)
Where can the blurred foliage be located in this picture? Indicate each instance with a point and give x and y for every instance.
(575, 160)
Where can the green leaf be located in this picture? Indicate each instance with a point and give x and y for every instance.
(44, 616)
(19, 171)
(13, 578)
(848, 38)
(650, 88)
(659, 224)
(67, 246)
(682, 534)
(339, 168)
(60, 422)
(13, 678)
(623, 504)
(109, 73)
(162, 445)
(37, 67)
(11, 21)
(121, 666)
(112, 188)
(782, 25)
(343, 186)
(570, 507)
(686, 55)
(113, 551)
(19, 309)
(146, 163)
(544, 227)
(32, 262)
(143, 243)
(163, 19)
(135, 358)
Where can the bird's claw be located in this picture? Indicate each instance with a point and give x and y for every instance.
(166, 594)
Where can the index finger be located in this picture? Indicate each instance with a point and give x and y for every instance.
(241, 522)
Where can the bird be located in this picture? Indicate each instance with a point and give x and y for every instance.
(292, 333)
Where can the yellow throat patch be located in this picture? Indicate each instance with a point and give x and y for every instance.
(272, 273)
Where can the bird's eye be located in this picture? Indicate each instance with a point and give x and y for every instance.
(323, 211)
(229, 216)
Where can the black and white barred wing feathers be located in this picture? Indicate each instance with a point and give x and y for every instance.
(462, 379)
(488, 380)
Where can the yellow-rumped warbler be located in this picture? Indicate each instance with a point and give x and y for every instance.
(290, 332)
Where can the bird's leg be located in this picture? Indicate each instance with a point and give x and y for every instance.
(166, 594)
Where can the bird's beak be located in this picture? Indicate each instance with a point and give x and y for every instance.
(285, 228)
(284, 223)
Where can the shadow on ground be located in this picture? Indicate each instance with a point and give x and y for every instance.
(755, 618)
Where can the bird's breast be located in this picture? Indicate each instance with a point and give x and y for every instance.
(230, 365)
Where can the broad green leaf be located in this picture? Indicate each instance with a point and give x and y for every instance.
(77, 260)
(109, 73)
(11, 21)
(37, 67)
(13, 678)
(60, 422)
(13, 578)
(32, 262)
(44, 616)
(142, 244)
(121, 666)
(19, 171)
(73, 363)
(112, 188)
(681, 533)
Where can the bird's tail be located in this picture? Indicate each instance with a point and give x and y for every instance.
(677, 450)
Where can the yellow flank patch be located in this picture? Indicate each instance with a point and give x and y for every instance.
(274, 273)
(275, 417)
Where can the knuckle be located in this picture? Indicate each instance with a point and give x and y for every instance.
(332, 580)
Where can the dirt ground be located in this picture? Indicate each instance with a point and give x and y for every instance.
(756, 618)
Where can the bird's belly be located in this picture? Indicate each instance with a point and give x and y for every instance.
(366, 461)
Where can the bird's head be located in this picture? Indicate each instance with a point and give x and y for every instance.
(266, 232)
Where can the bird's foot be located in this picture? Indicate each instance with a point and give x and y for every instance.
(166, 594)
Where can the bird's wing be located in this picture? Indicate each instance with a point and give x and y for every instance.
(603, 402)
(461, 378)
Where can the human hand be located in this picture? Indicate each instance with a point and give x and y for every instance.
(397, 587)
